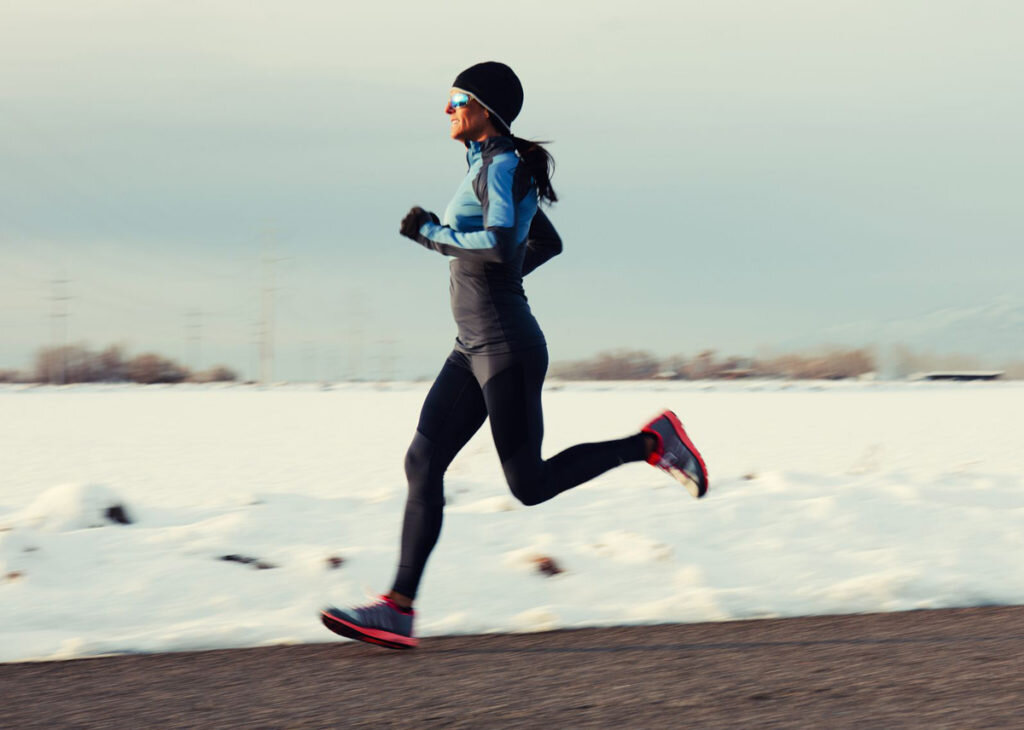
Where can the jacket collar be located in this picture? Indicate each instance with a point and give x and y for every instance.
(490, 146)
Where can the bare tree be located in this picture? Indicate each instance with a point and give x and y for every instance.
(614, 365)
(150, 368)
(219, 374)
(833, 364)
(830, 364)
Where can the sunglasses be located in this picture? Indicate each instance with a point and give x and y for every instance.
(458, 99)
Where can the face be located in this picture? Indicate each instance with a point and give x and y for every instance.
(468, 121)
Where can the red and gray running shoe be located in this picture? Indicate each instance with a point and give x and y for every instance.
(676, 454)
(383, 623)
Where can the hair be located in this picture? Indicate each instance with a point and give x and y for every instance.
(538, 161)
(540, 164)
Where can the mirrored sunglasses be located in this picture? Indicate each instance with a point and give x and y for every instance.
(458, 99)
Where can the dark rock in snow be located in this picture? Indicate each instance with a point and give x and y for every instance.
(548, 566)
(246, 560)
(116, 513)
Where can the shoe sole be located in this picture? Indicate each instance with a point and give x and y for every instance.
(678, 474)
(370, 636)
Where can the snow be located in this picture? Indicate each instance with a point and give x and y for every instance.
(825, 498)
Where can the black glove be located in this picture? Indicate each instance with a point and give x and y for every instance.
(415, 218)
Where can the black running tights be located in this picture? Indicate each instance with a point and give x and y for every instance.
(507, 389)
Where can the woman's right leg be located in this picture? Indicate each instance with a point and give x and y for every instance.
(453, 411)
(512, 391)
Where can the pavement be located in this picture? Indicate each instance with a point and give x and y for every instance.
(956, 668)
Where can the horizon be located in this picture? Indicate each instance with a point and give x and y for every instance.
(897, 362)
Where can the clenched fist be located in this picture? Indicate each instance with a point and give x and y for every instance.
(415, 218)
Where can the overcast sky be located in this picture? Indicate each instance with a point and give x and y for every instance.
(733, 175)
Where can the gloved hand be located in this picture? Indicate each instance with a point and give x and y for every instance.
(415, 218)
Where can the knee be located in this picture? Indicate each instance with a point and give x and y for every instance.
(417, 459)
(418, 470)
(528, 498)
(528, 489)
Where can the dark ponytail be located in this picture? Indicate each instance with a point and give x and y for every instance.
(540, 164)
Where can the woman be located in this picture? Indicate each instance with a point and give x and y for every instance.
(496, 234)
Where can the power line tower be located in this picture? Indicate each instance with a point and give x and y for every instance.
(194, 339)
(60, 312)
(358, 320)
(267, 307)
(310, 362)
(387, 360)
(256, 342)
(267, 311)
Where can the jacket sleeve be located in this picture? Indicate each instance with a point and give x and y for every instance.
(542, 242)
(497, 241)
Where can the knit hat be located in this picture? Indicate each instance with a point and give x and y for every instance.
(496, 87)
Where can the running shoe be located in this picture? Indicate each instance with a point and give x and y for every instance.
(383, 623)
(676, 454)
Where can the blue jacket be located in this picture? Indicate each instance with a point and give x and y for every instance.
(497, 234)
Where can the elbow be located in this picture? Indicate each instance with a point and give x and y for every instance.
(549, 248)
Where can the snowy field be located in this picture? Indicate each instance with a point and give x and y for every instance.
(825, 498)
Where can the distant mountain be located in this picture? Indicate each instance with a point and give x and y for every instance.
(993, 332)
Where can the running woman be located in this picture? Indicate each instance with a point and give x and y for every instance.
(496, 234)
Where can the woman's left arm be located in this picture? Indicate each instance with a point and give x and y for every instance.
(542, 243)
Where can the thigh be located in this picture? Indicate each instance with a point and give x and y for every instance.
(512, 394)
(454, 408)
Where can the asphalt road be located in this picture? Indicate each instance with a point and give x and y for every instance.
(961, 668)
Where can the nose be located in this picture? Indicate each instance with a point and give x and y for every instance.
(448, 108)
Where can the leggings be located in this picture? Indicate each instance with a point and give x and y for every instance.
(507, 389)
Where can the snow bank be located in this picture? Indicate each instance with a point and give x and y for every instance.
(251, 509)
(73, 507)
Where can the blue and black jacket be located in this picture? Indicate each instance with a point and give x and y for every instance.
(497, 234)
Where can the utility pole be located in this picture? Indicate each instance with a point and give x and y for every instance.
(355, 353)
(59, 314)
(387, 360)
(310, 367)
(267, 311)
(333, 367)
(267, 322)
(257, 338)
(357, 320)
(194, 339)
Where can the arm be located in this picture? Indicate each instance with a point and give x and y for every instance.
(542, 242)
(497, 240)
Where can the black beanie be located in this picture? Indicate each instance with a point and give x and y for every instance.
(496, 87)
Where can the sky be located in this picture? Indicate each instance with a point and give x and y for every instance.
(737, 176)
